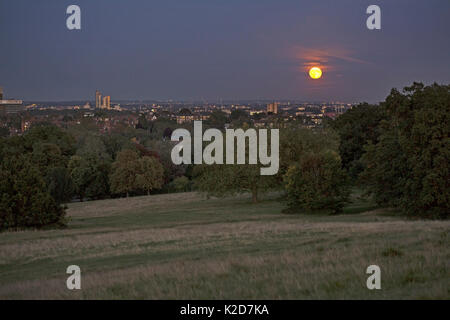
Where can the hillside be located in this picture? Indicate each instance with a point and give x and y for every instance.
(184, 246)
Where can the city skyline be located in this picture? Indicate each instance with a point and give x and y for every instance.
(229, 51)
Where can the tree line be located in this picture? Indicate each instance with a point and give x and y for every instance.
(47, 167)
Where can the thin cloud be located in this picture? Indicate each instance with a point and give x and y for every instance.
(325, 58)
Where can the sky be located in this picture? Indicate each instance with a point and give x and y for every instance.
(215, 49)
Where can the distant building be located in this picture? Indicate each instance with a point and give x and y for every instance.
(106, 102)
(98, 99)
(102, 102)
(185, 115)
(272, 108)
(10, 106)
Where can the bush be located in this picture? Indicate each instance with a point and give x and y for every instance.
(316, 182)
(24, 199)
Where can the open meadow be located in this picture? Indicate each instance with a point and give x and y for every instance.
(184, 246)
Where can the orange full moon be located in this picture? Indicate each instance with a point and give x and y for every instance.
(315, 73)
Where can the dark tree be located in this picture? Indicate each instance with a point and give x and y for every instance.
(409, 167)
(356, 128)
(24, 200)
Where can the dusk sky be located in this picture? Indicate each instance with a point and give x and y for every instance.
(208, 49)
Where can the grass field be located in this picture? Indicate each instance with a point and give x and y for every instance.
(183, 246)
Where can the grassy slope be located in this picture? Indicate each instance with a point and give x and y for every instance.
(186, 247)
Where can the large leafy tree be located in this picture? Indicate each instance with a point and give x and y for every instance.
(45, 133)
(114, 143)
(48, 148)
(59, 184)
(124, 170)
(24, 199)
(130, 172)
(164, 148)
(48, 155)
(316, 182)
(356, 128)
(150, 174)
(89, 174)
(296, 142)
(409, 166)
(80, 172)
(310, 170)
